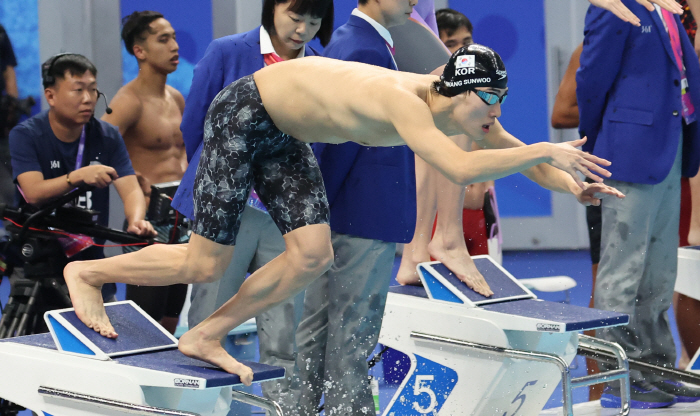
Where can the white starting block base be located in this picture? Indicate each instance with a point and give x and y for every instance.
(46, 380)
(688, 284)
(688, 280)
(447, 377)
(594, 409)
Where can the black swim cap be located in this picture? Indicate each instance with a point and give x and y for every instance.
(471, 67)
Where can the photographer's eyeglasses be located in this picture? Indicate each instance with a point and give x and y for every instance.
(490, 98)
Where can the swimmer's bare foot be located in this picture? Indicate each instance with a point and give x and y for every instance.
(457, 259)
(412, 255)
(197, 345)
(87, 300)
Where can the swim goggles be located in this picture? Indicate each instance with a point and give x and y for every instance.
(490, 98)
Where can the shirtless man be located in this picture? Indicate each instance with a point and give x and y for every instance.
(254, 135)
(148, 114)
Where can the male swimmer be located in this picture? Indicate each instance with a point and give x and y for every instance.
(255, 135)
(148, 114)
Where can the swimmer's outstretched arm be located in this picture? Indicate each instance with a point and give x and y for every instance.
(621, 11)
(414, 123)
(546, 175)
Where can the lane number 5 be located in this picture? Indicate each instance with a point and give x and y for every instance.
(422, 387)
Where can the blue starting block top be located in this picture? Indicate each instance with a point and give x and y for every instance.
(574, 318)
(173, 361)
(509, 298)
(137, 331)
(170, 361)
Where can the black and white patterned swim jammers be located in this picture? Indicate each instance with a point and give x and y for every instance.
(243, 148)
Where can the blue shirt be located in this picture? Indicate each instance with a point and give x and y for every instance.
(34, 147)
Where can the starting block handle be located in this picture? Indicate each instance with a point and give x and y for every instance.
(254, 400)
(138, 409)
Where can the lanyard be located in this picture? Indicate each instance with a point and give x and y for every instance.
(81, 150)
(688, 110)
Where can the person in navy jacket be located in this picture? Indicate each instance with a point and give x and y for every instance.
(638, 91)
(372, 197)
(286, 28)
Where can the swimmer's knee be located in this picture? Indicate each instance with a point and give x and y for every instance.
(204, 266)
(201, 270)
(315, 260)
(206, 275)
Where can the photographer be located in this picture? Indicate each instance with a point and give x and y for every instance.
(64, 147)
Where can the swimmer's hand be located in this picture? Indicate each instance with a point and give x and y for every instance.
(141, 228)
(567, 157)
(462, 265)
(620, 10)
(594, 192)
(475, 281)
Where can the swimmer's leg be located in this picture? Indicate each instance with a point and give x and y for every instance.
(308, 255)
(198, 261)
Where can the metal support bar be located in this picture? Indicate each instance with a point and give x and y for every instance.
(672, 373)
(567, 383)
(622, 373)
(266, 404)
(137, 409)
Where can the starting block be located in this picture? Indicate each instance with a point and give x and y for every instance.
(473, 355)
(75, 371)
(688, 284)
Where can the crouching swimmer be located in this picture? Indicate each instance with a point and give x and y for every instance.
(254, 136)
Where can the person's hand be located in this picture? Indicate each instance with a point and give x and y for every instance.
(620, 10)
(98, 176)
(592, 193)
(141, 228)
(567, 157)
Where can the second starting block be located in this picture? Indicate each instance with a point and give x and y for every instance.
(501, 355)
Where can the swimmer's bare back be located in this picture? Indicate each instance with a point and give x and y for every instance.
(327, 100)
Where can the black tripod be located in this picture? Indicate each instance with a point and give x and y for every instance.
(41, 288)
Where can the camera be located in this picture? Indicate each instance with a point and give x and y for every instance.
(159, 209)
(161, 214)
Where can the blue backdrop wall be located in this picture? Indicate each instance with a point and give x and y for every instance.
(21, 21)
(515, 29)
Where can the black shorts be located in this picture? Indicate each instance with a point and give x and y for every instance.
(243, 148)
